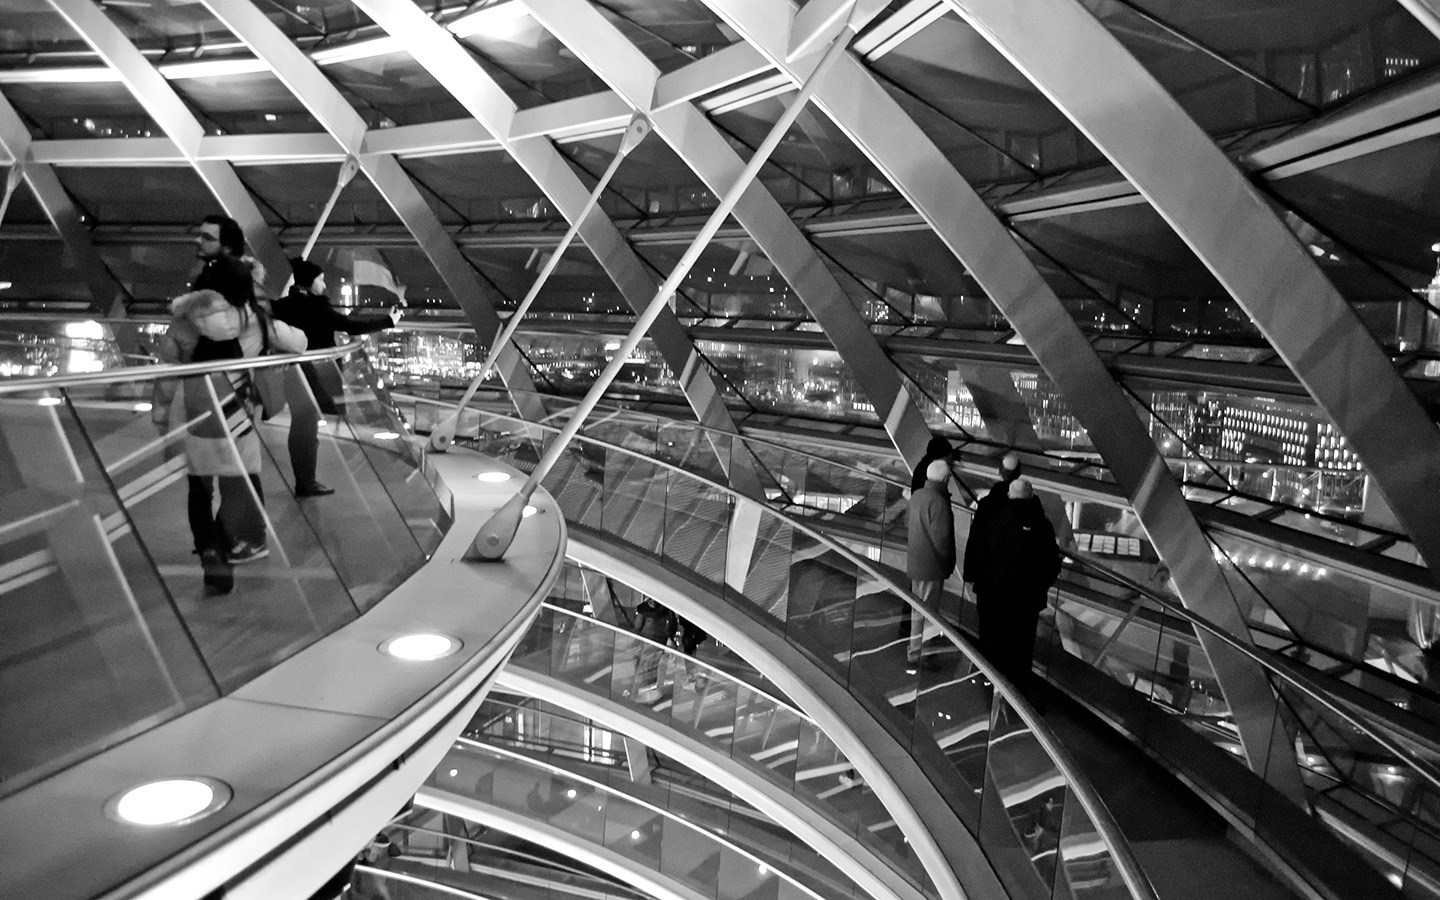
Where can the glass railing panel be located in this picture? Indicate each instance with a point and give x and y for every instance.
(369, 542)
(639, 833)
(378, 430)
(952, 701)
(111, 487)
(94, 648)
(691, 696)
(1086, 867)
(245, 617)
(1023, 804)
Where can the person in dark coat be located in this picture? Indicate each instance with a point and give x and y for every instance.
(938, 448)
(1013, 575)
(307, 308)
(985, 509)
(930, 551)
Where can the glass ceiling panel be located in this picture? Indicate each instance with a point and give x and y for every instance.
(520, 52)
(910, 276)
(480, 187)
(294, 195)
(40, 270)
(667, 57)
(169, 194)
(398, 86)
(169, 24)
(732, 279)
(33, 26)
(578, 288)
(1379, 208)
(24, 209)
(1132, 256)
(313, 18)
(652, 181)
(1317, 51)
(987, 117)
(1218, 95)
(82, 110)
(685, 24)
(258, 103)
(814, 161)
(152, 271)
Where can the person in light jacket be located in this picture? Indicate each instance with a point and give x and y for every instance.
(930, 553)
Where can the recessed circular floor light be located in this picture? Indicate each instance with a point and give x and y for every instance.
(386, 435)
(171, 801)
(144, 406)
(494, 477)
(420, 647)
(49, 401)
(529, 511)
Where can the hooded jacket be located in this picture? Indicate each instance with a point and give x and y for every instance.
(207, 314)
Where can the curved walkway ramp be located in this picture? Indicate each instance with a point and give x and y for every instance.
(287, 701)
(640, 841)
(976, 773)
(1130, 653)
(739, 736)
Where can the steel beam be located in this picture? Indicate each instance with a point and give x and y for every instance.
(167, 109)
(105, 288)
(435, 49)
(701, 145)
(1090, 76)
(879, 127)
(1427, 12)
(339, 118)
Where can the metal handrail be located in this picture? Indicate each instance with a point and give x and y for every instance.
(1128, 866)
(173, 370)
(1380, 737)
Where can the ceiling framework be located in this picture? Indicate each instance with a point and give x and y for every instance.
(105, 288)
(346, 126)
(698, 142)
(1068, 54)
(434, 48)
(1325, 350)
(857, 103)
(164, 105)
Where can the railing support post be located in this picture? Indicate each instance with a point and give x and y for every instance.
(495, 536)
(443, 434)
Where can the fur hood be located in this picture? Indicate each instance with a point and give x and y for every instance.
(209, 313)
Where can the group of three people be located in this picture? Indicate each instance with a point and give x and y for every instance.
(1011, 559)
(224, 315)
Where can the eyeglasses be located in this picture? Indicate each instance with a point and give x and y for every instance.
(208, 238)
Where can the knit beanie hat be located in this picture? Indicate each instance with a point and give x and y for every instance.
(939, 470)
(305, 272)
